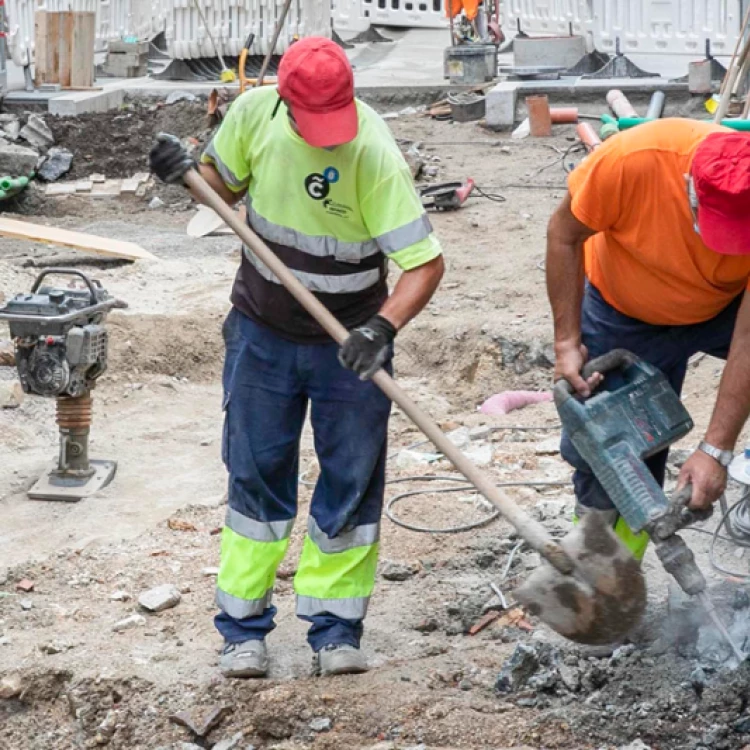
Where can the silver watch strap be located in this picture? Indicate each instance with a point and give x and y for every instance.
(722, 456)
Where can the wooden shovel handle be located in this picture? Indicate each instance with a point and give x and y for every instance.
(532, 531)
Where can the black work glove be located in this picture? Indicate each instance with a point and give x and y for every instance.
(368, 347)
(169, 159)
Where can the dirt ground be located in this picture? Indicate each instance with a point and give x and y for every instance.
(68, 680)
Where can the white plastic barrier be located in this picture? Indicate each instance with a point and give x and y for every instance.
(423, 14)
(231, 21)
(548, 16)
(348, 16)
(667, 27)
(661, 35)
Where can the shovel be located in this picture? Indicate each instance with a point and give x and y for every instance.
(593, 590)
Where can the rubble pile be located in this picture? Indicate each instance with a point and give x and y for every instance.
(680, 691)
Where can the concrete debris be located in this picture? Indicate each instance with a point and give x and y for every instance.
(321, 724)
(570, 677)
(549, 447)
(459, 437)
(518, 669)
(26, 604)
(10, 686)
(56, 164)
(482, 432)
(129, 622)
(160, 598)
(396, 571)
(210, 572)
(412, 459)
(523, 357)
(636, 745)
(26, 585)
(229, 743)
(17, 161)
(414, 160)
(200, 728)
(120, 596)
(481, 455)
(37, 132)
(180, 96)
(10, 125)
(7, 354)
(156, 202)
(54, 647)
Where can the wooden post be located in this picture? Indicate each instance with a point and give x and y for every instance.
(65, 48)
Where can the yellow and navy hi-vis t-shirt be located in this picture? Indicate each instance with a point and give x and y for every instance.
(333, 216)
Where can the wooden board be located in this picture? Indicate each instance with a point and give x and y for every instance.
(82, 48)
(65, 46)
(41, 44)
(78, 240)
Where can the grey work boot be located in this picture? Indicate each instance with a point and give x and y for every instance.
(339, 659)
(246, 659)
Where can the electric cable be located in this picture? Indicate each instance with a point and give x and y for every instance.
(388, 510)
(494, 197)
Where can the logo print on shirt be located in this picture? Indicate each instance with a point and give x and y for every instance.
(331, 174)
(317, 186)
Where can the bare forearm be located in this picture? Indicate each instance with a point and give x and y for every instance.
(733, 402)
(213, 178)
(565, 279)
(412, 292)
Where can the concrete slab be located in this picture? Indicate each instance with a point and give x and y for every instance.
(77, 102)
(501, 105)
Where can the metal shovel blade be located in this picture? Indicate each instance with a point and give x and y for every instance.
(602, 601)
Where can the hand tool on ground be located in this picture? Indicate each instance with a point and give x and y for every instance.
(597, 585)
(226, 75)
(61, 350)
(636, 414)
(272, 47)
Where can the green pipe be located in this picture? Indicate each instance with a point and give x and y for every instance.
(630, 122)
(13, 183)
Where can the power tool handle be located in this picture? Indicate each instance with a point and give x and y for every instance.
(614, 360)
(689, 516)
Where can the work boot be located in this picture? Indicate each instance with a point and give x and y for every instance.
(339, 659)
(245, 659)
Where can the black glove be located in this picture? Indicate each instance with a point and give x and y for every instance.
(368, 347)
(169, 159)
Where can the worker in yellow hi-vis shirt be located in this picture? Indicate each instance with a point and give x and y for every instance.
(328, 190)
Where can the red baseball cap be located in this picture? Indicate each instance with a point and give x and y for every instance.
(721, 177)
(317, 83)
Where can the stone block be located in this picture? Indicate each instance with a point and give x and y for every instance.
(77, 102)
(61, 188)
(160, 598)
(701, 78)
(532, 52)
(17, 161)
(501, 105)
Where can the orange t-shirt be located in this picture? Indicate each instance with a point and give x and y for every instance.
(647, 260)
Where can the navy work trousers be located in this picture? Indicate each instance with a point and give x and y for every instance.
(268, 384)
(669, 348)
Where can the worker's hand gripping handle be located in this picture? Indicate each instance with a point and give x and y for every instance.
(679, 516)
(617, 359)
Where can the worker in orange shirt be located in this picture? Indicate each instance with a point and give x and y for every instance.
(650, 251)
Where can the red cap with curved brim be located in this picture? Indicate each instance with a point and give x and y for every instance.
(721, 176)
(317, 83)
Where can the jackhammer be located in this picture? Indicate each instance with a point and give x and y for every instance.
(633, 416)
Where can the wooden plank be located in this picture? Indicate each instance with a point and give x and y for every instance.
(79, 240)
(41, 44)
(65, 47)
(83, 38)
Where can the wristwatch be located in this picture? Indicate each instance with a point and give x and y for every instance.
(723, 457)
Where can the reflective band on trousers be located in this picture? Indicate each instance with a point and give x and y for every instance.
(349, 609)
(241, 608)
(226, 174)
(325, 246)
(315, 282)
(259, 531)
(360, 536)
